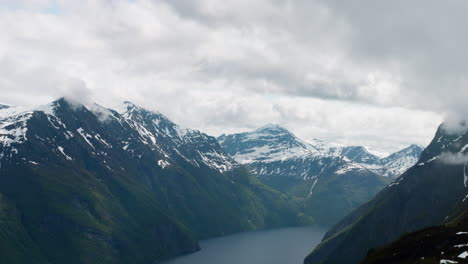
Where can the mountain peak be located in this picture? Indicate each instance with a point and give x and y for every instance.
(129, 110)
(270, 142)
(12, 111)
(272, 127)
(128, 107)
(415, 146)
(125, 107)
(2, 106)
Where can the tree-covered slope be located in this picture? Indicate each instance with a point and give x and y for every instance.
(85, 184)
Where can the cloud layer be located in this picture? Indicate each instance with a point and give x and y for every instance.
(454, 158)
(378, 74)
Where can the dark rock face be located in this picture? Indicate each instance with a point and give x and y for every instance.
(93, 185)
(423, 196)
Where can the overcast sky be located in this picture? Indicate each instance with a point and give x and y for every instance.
(378, 73)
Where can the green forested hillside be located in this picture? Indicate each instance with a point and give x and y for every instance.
(84, 184)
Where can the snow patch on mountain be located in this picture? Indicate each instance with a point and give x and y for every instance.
(274, 151)
(13, 127)
(348, 167)
(103, 114)
(268, 144)
(85, 136)
(156, 126)
(13, 122)
(151, 128)
(63, 153)
(163, 164)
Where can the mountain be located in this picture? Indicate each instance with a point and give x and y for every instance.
(358, 154)
(86, 184)
(397, 163)
(281, 160)
(268, 143)
(438, 244)
(444, 243)
(427, 194)
(390, 166)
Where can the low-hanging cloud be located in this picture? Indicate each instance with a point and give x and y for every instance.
(454, 158)
(455, 123)
(78, 95)
(75, 92)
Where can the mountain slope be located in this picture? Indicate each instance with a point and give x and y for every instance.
(445, 243)
(358, 154)
(423, 196)
(391, 166)
(268, 143)
(397, 163)
(281, 160)
(434, 245)
(85, 184)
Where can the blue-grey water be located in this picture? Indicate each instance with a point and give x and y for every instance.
(277, 246)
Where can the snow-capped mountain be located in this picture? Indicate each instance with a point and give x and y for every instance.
(285, 162)
(272, 143)
(101, 181)
(397, 163)
(267, 144)
(194, 146)
(154, 130)
(273, 150)
(358, 154)
(390, 166)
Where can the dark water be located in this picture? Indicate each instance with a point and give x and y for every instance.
(278, 246)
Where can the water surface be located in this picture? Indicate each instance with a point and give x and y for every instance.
(277, 246)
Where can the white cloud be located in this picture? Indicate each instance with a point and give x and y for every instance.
(356, 74)
(454, 158)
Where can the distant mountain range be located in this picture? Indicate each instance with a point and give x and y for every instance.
(431, 193)
(252, 147)
(341, 178)
(87, 184)
(390, 166)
